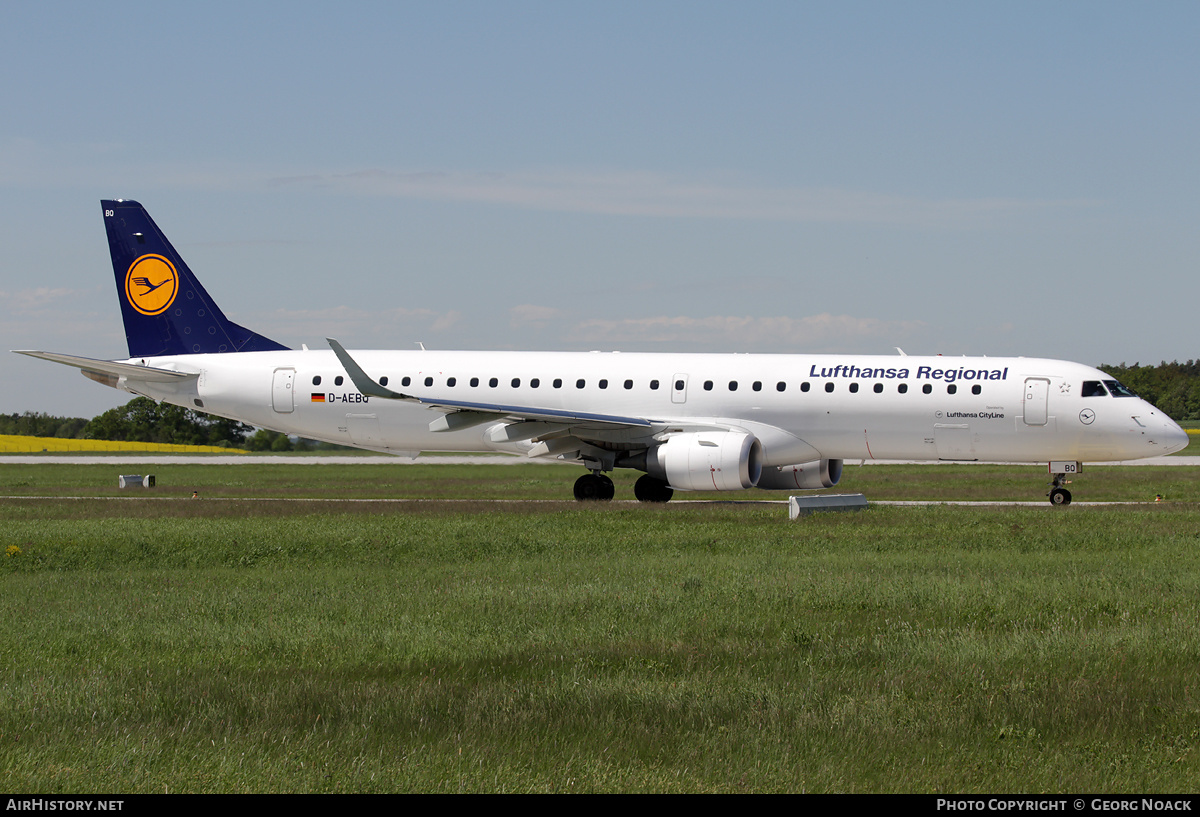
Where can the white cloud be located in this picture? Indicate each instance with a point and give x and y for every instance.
(353, 325)
(626, 193)
(739, 333)
(532, 315)
(31, 300)
(654, 194)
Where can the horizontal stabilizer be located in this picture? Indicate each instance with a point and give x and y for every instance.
(130, 371)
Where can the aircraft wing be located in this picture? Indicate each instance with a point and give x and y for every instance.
(542, 414)
(110, 370)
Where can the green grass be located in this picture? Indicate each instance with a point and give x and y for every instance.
(221, 645)
(554, 482)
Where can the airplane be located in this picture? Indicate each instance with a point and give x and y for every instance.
(690, 422)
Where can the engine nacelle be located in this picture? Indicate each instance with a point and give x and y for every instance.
(805, 476)
(707, 461)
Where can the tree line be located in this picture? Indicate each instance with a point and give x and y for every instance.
(1172, 387)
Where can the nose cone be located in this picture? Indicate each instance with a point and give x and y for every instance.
(1148, 432)
(1172, 438)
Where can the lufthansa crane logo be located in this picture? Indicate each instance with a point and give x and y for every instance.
(151, 284)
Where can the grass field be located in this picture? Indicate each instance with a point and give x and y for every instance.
(158, 643)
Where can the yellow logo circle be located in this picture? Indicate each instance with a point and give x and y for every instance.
(151, 284)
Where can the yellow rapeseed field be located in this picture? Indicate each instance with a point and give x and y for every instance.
(13, 444)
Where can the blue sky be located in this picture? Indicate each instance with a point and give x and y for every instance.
(956, 178)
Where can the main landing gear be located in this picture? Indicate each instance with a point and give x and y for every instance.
(596, 487)
(651, 489)
(1058, 494)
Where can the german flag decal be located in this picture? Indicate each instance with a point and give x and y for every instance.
(318, 398)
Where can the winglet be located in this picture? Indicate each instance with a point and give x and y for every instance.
(361, 380)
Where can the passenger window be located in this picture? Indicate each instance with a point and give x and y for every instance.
(516, 382)
(629, 384)
(406, 380)
(927, 389)
(976, 389)
(429, 381)
(383, 380)
(733, 385)
(493, 382)
(951, 389)
(579, 383)
(474, 382)
(708, 385)
(604, 384)
(902, 388)
(558, 382)
(337, 381)
(317, 380)
(653, 385)
(803, 386)
(780, 386)
(450, 381)
(678, 385)
(757, 385)
(853, 388)
(829, 387)
(533, 384)
(879, 388)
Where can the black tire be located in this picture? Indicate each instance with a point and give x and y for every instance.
(594, 488)
(650, 489)
(1060, 496)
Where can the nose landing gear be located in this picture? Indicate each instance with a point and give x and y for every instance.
(1058, 494)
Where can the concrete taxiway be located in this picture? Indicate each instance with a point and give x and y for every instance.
(436, 459)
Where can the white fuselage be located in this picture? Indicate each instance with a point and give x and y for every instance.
(800, 407)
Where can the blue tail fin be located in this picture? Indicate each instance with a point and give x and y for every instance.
(166, 310)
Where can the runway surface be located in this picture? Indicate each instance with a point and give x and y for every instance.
(415, 501)
(437, 459)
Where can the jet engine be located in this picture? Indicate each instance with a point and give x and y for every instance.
(707, 461)
(806, 475)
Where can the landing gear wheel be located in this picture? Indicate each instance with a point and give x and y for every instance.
(594, 487)
(649, 489)
(1058, 494)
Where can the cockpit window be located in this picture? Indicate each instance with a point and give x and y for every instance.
(1093, 388)
(1118, 390)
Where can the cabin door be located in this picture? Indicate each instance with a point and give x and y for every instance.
(281, 391)
(1037, 392)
